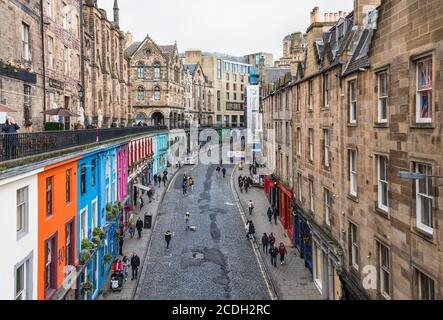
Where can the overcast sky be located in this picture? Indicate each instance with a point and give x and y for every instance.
(236, 27)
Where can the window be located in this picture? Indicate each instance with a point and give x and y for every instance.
(65, 60)
(299, 187)
(140, 70)
(108, 167)
(235, 96)
(227, 76)
(50, 264)
(26, 53)
(424, 90)
(68, 185)
(69, 240)
(141, 93)
(311, 144)
(65, 16)
(325, 90)
(318, 266)
(157, 93)
(94, 213)
(424, 198)
(310, 95)
(83, 224)
(352, 102)
(83, 179)
(218, 101)
(50, 52)
(326, 147)
(27, 95)
(311, 196)
(287, 133)
(382, 97)
(299, 139)
(227, 95)
(327, 205)
(382, 180)
(227, 85)
(235, 79)
(353, 238)
(426, 286)
(49, 8)
(219, 70)
(48, 196)
(298, 98)
(384, 270)
(22, 281)
(108, 196)
(156, 71)
(353, 173)
(22, 210)
(93, 172)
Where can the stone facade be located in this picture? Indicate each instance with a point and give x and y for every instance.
(21, 63)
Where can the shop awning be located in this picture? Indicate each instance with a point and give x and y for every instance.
(140, 186)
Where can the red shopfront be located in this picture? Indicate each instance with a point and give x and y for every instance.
(285, 210)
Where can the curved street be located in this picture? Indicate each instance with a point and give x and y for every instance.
(213, 262)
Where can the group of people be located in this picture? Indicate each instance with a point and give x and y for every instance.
(272, 213)
(269, 247)
(159, 178)
(122, 266)
(222, 169)
(244, 182)
(188, 183)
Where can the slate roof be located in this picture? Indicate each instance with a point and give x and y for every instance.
(191, 67)
(272, 74)
(168, 49)
(129, 51)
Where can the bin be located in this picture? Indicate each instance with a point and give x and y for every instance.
(148, 221)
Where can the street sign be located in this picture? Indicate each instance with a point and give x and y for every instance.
(411, 175)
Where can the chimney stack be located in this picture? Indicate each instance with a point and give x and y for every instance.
(361, 8)
(335, 16)
(116, 13)
(326, 17)
(314, 15)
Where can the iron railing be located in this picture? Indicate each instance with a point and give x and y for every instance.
(17, 145)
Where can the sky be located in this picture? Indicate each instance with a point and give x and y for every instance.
(236, 27)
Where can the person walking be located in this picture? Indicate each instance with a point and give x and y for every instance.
(126, 263)
(132, 225)
(165, 179)
(273, 252)
(265, 242)
(10, 142)
(240, 178)
(269, 213)
(121, 242)
(250, 207)
(117, 266)
(155, 179)
(246, 183)
(282, 251)
(240, 184)
(271, 239)
(135, 263)
(275, 214)
(218, 171)
(159, 180)
(187, 219)
(224, 172)
(191, 183)
(185, 186)
(139, 226)
(168, 237)
(251, 232)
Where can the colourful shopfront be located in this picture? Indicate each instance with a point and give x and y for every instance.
(285, 209)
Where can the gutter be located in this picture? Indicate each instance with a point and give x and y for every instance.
(42, 34)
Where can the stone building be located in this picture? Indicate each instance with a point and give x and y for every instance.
(156, 86)
(61, 34)
(106, 69)
(230, 77)
(21, 63)
(294, 46)
(198, 96)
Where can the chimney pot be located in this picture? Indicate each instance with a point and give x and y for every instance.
(314, 15)
(326, 17)
(340, 14)
(336, 16)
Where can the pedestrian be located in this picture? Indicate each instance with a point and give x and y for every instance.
(132, 225)
(275, 213)
(265, 242)
(117, 266)
(251, 230)
(10, 142)
(150, 194)
(139, 226)
(191, 183)
(165, 174)
(246, 185)
(250, 182)
(269, 213)
(187, 218)
(218, 170)
(135, 263)
(155, 179)
(250, 169)
(271, 239)
(121, 242)
(185, 178)
(240, 178)
(165, 179)
(273, 252)
(250, 207)
(224, 172)
(168, 237)
(185, 187)
(282, 251)
(126, 263)
(240, 184)
(159, 180)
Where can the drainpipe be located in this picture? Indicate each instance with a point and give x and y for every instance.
(82, 60)
(42, 33)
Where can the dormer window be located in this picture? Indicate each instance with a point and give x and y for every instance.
(340, 29)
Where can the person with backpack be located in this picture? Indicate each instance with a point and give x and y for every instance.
(273, 252)
(282, 251)
(265, 242)
(139, 226)
(250, 207)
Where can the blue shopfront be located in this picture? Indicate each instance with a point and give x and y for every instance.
(302, 236)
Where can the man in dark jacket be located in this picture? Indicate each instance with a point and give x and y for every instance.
(265, 242)
(10, 126)
(275, 213)
(165, 179)
(139, 226)
(155, 179)
(10, 142)
(224, 172)
(273, 251)
(251, 233)
(135, 263)
(168, 237)
(269, 213)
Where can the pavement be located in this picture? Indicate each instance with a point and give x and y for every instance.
(215, 262)
(291, 281)
(139, 246)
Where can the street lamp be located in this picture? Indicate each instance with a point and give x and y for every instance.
(414, 175)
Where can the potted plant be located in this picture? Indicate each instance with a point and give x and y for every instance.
(98, 232)
(87, 245)
(84, 256)
(97, 240)
(87, 286)
(107, 258)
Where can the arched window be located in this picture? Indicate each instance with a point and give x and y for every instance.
(140, 70)
(141, 93)
(156, 70)
(157, 93)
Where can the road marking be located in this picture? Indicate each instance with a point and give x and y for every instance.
(229, 204)
(254, 249)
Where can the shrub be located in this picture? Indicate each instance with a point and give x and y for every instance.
(54, 126)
